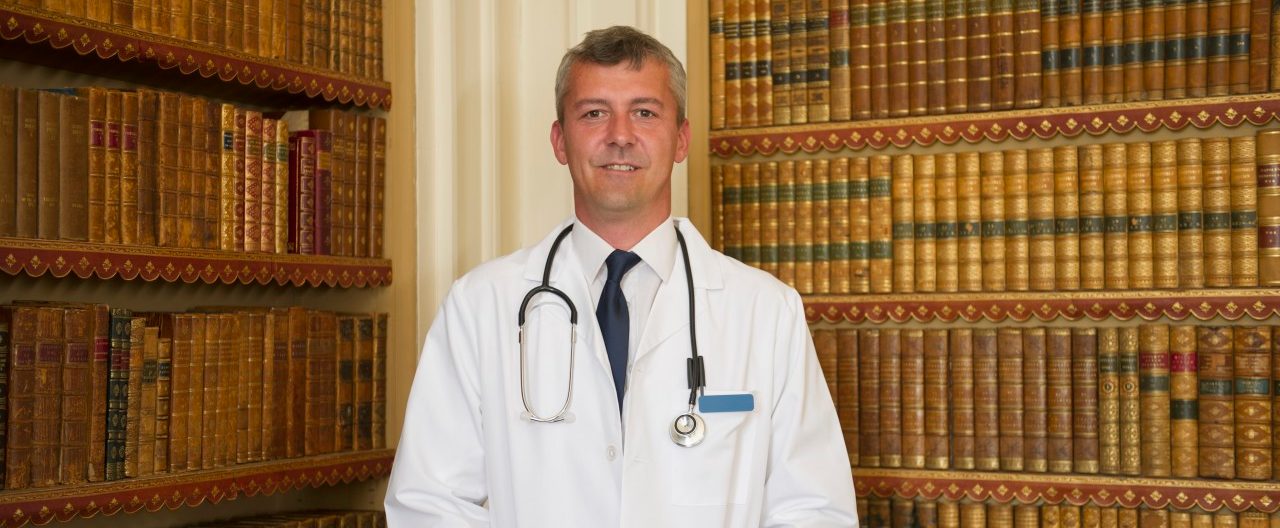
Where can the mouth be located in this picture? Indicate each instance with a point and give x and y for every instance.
(621, 167)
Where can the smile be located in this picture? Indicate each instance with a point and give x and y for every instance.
(620, 167)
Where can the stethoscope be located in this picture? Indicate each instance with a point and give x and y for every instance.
(687, 429)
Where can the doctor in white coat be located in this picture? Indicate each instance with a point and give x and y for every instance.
(470, 455)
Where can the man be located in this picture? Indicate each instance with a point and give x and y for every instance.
(475, 450)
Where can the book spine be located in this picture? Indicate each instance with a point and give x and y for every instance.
(878, 36)
(47, 170)
(1190, 215)
(899, 91)
(377, 189)
(1000, 515)
(1003, 64)
(838, 194)
(1116, 211)
(185, 186)
(847, 388)
(21, 399)
(1268, 204)
(1032, 394)
(133, 407)
(936, 56)
(252, 237)
(747, 63)
(936, 432)
(840, 72)
(363, 400)
(1131, 53)
(118, 395)
(321, 377)
(869, 398)
(882, 222)
(1216, 414)
(1238, 45)
(1252, 402)
(763, 65)
(961, 370)
(147, 404)
(97, 161)
(1108, 401)
(1113, 53)
(232, 359)
(973, 514)
(925, 223)
(717, 45)
(1092, 224)
(1066, 185)
(130, 169)
(978, 39)
(267, 220)
(1041, 237)
(994, 274)
(799, 58)
(1218, 48)
(1027, 54)
(26, 157)
(168, 184)
(986, 400)
(1061, 430)
(299, 338)
(180, 378)
(859, 225)
(1084, 399)
(1183, 435)
(1216, 173)
(1050, 44)
(1275, 405)
(1141, 251)
(1130, 427)
(252, 386)
(1175, 49)
(768, 197)
(73, 169)
(821, 226)
(163, 402)
(324, 198)
(1153, 49)
(913, 400)
(786, 221)
(1244, 212)
(968, 231)
(957, 27)
(903, 256)
(202, 392)
(818, 70)
(947, 248)
(73, 452)
(1164, 213)
(120, 159)
(1091, 51)
(891, 398)
(917, 58)
(749, 209)
(1069, 51)
(903, 512)
(803, 237)
(1197, 47)
(780, 55)
(859, 59)
(1017, 256)
(99, 372)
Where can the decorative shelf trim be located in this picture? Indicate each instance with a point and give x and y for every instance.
(44, 505)
(1044, 123)
(1077, 490)
(106, 41)
(1202, 304)
(154, 264)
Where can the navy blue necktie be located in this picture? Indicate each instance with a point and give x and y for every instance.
(611, 313)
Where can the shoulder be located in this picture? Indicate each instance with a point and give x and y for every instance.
(744, 283)
(491, 277)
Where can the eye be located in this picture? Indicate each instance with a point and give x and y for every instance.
(646, 113)
(593, 114)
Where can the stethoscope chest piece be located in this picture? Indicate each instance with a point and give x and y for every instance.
(688, 429)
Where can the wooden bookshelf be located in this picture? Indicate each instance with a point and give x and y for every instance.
(52, 39)
(35, 258)
(1076, 489)
(44, 505)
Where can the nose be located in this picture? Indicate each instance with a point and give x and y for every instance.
(621, 131)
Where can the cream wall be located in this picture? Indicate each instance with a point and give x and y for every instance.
(488, 183)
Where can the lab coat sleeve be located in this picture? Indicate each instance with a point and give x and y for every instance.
(809, 482)
(438, 478)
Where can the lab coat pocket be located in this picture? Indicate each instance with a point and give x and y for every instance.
(719, 470)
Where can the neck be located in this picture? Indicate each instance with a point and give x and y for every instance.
(622, 234)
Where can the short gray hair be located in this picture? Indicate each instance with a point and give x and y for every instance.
(614, 45)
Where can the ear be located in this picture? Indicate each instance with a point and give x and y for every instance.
(682, 142)
(557, 142)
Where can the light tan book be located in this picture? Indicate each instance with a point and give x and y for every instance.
(947, 247)
(803, 238)
(1217, 212)
(1017, 255)
(1190, 214)
(859, 225)
(838, 195)
(1130, 427)
(1116, 211)
(1066, 217)
(1183, 387)
(1141, 251)
(994, 274)
(821, 226)
(1109, 400)
(1041, 236)
(1244, 212)
(1164, 214)
(786, 220)
(969, 222)
(881, 257)
(768, 197)
(902, 189)
(925, 229)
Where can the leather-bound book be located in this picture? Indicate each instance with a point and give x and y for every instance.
(1131, 53)
(73, 452)
(253, 361)
(768, 197)
(130, 169)
(169, 173)
(961, 364)
(1216, 173)
(903, 184)
(881, 259)
(763, 65)
(26, 163)
(1153, 518)
(891, 422)
(1216, 413)
(957, 29)
(1164, 213)
(926, 251)
(296, 337)
(749, 209)
(859, 224)
(899, 57)
(1275, 405)
(786, 220)
(1112, 51)
(1069, 51)
(1050, 516)
(377, 185)
(1127, 517)
(968, 222)
(1060, 400)
(846, 395)
(904, 513)
(926, 512)
(731, 198)
(1130, 406)
(1183, 433)
(1252, 402)
(1179, 519)
(824, 343)
(803, 237)
(202, 397)
(379, 407)
(859, 59)
(948, 513)
(323, 219)
(880, 513)
(47, 171)
(1091, 51)
(21, 322)
(97, 159)
(1116, 210)
(973, 514)
(344, 387)
(799, 58)
(869, 397)
(187, 215)
(878, 37)
(275, 382)
(267, 190)
(1190, 214)
(147, 404)
(99, 372)
(1092, 218)
(1175, 49)
(947, 257)
(164, 370)
(716, 34)
(917, 59)
(1084, 399)
(936, 432)
(302, 170)
(746, 63)
(935, 19)
(1197, 47)
(819, 60)
(838, 39)
(1244, 212)
(180, 377)
(1238, 45)
(819, 193)
(1153, 365)
(1153, 49)
(1141, 251)
(363, 365)
(73, 168)
(1268, 198)
(1017, 255)
(1253, 519)
(207, 148)
(1218, 48)
(1027, 54)
(978, 39)
(1260, 53)
(986, 400)
(226, 163)
(1026, 516)
(992, 198)
(320, 379)
(1051, 44)
(1041, 237)
(1000, 515)
(1034, 396)
(118, 394)
(913, 399)
(1066, 217)
(717, 207)
(733, 60)
(838, 196)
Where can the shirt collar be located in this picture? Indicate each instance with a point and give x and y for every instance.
(657, 250)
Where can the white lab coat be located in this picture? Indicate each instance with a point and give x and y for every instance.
(464, 442)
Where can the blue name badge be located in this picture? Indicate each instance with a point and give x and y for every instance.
(713, 403)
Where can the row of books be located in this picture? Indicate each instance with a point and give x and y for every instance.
(1153, 400)
(899, 512)
(784, 62)
(145, 167)
(97, 393)
(340, 35)
(1187, 213)
(318, 519)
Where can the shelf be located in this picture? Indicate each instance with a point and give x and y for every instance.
(89, 46)
(998, 126)
(1075, 489)
(43, 505)
(154, 264)
(1202, 304)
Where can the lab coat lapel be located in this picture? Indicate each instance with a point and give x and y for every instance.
(670, 311)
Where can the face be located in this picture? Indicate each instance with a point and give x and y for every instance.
(620, 140)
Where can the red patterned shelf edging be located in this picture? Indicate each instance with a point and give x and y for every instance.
(42, 506)
(1077, 490)
(59, 259)
(1231, 304)
(126, 44)
(999, 126)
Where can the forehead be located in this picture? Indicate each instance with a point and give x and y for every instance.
(620, 82)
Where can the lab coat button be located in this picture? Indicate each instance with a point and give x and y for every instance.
(611, 452)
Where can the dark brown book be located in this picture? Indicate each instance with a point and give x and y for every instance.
(73, 168)
(1196, 47)
(1238, 45)
(96, 159)
(961, 397)
(379, 425)
(1131, 52)
(1216, 414)
(1091, 51)
(295, 402)
(1260, 52)
(978, 39)
(846, 395)
(180, 378)
(917, 59)
(21, 395)
(1252, 402)
(251, 376)
(185, 214)
(50, 351)
(26, 158)
(859, 59)
(1153, 16)
(869, 398)
(903, 513)
(1060, 398)
(168, 169)
(1218, 48)
(986, 400)
(899, 80)
(890, 398)
(233, 359)
(130, 108)
(73, 455)
(1175, 49)
(935, 20)
(878, 37)
(1050, 43)
(133, 408)
(1033, 413)
(275, 386)
(320, 403)
(912, 394)
(148, 168)
(8, 161)
(1112, 51)
(1070, 54)
(48, 173)
(344, 386)
(1027, 53)
(957, 28)
(1183, 433)
(114, 159)
(1002, 42)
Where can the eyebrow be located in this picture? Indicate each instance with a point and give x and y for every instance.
(637, 101)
